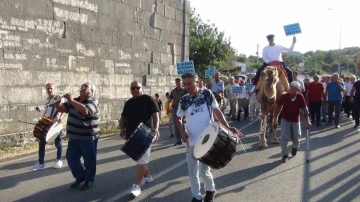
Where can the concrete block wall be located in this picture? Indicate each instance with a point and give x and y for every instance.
(69, 42)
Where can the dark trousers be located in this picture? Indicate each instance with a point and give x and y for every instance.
(58, 146)
(86, 149)
(331, 106)
(315, 111)
(356, 111)
(348, 106)
(288, 71)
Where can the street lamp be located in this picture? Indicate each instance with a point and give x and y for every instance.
(339, 44)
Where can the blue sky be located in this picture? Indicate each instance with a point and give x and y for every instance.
(248, 22)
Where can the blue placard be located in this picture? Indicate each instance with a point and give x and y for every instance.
(292, 29)
(210, 72)
(237, 89)
(249, 86)
(184, 67)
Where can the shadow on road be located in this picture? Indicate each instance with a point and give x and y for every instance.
(349, 178)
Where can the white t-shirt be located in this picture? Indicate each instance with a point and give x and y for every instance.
(198, 112)
(301, 84)
(216, 87)
(244, 93)
(51, 111)
(348, 87)
(272, 53)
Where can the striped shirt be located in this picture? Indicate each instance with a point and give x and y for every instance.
(51, 111)
(84, 127)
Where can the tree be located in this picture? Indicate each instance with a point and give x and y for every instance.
(208, 46)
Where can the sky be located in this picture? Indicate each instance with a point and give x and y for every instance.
(247, 22)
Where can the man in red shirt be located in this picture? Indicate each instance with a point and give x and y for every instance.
(314, 93)
(292, 102)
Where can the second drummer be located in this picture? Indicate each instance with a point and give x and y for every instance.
(198, 105)
(141, 108)
(51, 113)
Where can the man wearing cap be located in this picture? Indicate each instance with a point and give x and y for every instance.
(314, 93)
(272, 55)
(292, 102)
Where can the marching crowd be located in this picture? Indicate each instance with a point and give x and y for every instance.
(327, 98)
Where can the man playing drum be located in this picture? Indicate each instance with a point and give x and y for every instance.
(52, 113)
(83, 132)
(272, 56)
(198, 105)
(141, 108)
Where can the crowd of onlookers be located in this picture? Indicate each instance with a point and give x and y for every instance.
(327, 98)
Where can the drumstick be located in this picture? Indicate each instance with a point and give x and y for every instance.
(242, 145)
(27, 122)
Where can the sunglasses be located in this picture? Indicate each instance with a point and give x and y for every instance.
(137, 88)
(188, 75)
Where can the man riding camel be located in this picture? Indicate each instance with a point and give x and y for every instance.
(272, 56)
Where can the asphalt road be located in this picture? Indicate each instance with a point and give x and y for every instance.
(333, 173)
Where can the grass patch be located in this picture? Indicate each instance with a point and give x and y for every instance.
(8, 152)
(110, 129)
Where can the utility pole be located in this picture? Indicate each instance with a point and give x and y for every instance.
(257, 54)
(316, 67)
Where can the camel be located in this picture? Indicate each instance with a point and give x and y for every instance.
(269, 90)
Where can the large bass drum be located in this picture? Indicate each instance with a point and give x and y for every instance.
(47, 129)
(139, 142)
(216, 146)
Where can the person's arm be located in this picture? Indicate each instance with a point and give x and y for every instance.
(306, 111)
(61, 116)
(342, 89)
(61, 107)
(325, 94)
(155, 118)
(179, 122)
(352, 94)
(287, 50)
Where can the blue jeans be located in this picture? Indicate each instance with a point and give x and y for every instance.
(337, 106)
(177, 133)
(86, 149)
(323, 111)
(58, 146)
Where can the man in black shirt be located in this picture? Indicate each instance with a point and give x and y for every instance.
(355, 98)
(141, 108)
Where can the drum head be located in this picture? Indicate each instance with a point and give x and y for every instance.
(53, 132)
(206, 140)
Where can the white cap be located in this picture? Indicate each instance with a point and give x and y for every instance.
(295, 84)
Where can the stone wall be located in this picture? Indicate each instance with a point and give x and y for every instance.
(70, 42)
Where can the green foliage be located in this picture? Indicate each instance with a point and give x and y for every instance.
(325, 61)
(208, 46)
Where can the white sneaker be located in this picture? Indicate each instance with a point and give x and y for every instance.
(135, 191)
(37, 167)
(58, 164)
(146, 180)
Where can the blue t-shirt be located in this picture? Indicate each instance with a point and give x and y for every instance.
(334, 91)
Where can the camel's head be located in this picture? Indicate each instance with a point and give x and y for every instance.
(270, 73)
